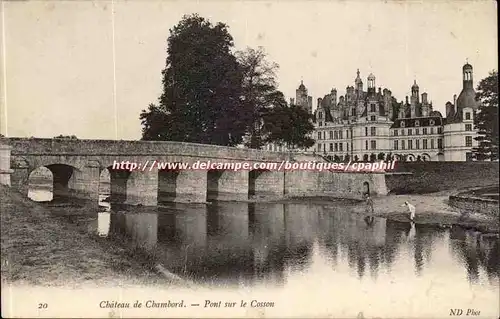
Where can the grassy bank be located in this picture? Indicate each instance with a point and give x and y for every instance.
(41, 248)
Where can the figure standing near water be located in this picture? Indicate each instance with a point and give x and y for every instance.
(411, 210)
(369, 209)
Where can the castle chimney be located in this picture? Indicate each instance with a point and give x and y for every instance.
(424, 98)
(450, 110)
(454, 99)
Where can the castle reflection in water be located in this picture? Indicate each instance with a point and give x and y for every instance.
(234, 243)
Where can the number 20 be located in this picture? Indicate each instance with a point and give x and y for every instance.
(42, 306)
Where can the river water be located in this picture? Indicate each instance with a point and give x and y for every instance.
(328, 249)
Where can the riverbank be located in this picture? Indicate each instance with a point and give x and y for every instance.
(431, 209)
(43, 249)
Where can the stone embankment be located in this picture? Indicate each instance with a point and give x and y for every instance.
(482, 201)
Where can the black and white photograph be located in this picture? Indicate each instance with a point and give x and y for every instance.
(249, 159)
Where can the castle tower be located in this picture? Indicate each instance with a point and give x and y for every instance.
(371, 82)
(358, 83)
(414, 100)
(414, 91)
(467, 77)
(302, 99)
(466, 98)
(333, 94)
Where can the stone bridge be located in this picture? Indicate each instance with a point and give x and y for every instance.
(76, 166)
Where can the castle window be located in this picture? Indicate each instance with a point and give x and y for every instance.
(402, 132)
(320, 123)
(336, 147)
(320, 115)
(417, 123)
(346, 133)
(440, 130)
(336, 135)
(373, 108)
(417, 131)
(331, 147)
(432, 143)
(331, 135)
(395, 132)
(410, 131)
(467, 115)
(417, 144)
(424, 146)
(396, 145)
(432, 130)
(319, 135)
(402, 144)
(373, 131)
(440, 143)
(366, 131)
(402, 123)
(366, 145)
(468, 127)
(341, 147)
(431, 122)
(340, 134)
(347, 146)
(468, 141)
(373, 145)
(410, 144)
(424, 130)
(373, 118)
(319, 147)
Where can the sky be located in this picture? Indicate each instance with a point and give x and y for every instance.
(88, 68)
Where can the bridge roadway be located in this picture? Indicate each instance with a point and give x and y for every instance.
(76, 166)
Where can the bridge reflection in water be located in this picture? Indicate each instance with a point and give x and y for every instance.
(234, 243)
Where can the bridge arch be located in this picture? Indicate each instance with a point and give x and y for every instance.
(41, 185)
(53, 182)
(167, 184)
(263, 182)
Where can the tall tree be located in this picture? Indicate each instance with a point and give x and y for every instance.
(288, 125)
(202, 88)
(486, 119)
(259, 90)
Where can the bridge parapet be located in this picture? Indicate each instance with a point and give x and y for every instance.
(45, 146)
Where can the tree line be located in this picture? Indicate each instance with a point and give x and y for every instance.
(213, 95)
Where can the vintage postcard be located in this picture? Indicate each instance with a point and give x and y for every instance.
(249, 159)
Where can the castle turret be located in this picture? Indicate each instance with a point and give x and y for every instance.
(414, 91)
(358, 83)
(371, 82)
(333, 97)
(467, 98)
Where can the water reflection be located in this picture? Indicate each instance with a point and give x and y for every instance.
(241, 243)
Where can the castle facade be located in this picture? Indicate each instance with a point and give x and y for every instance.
(371, 124)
